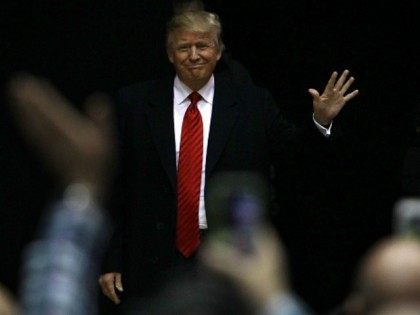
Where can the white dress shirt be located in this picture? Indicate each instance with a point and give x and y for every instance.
(205, 106)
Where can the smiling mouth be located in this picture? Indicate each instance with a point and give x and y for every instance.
(195, 66)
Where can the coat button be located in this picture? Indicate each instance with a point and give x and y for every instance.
(160, 226)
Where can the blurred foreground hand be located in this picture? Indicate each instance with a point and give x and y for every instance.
(261, 274)
(7, 304)
(79, 148)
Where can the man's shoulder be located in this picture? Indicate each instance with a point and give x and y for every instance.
(242, 89)
(248, 93)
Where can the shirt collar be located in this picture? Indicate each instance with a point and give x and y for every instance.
(182, 91)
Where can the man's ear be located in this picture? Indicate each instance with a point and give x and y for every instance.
(219, 55)
(169, 52)
(219, 52)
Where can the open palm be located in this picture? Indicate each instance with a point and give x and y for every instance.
(332, 100)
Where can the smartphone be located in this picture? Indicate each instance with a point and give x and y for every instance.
(236, 205)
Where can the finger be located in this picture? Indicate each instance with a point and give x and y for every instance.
(331, 82)
(39, 98)
(40, 95)
(351, 95)
(315, 94)
(110, 292)
(346, 86)
(118, 282)
(48, 120)
(32, 126)
(268, 237)
(31, 120)
(106, 283)
(271, 247)
(221, 257)
(341, 80)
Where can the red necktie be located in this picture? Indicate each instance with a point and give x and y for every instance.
(189, 179)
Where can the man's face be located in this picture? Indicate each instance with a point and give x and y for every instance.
(194, 56)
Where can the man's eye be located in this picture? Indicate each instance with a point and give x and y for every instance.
(203, 46)
(183, 48)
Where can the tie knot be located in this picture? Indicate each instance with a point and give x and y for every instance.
(194, 97)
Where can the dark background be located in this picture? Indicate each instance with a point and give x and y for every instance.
(334, 213)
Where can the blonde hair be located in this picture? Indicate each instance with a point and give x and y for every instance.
(195, 21)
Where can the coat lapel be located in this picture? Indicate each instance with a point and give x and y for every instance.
(160, 117)
(224, 115)
(162, 126)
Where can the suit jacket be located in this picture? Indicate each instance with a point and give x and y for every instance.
(247, 133)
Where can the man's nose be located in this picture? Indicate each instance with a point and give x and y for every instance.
(194, 54)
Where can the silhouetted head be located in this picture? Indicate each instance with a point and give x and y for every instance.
(390, 273)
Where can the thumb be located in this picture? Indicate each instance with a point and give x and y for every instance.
(222, 258)
(314, 93)
(118, 282)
